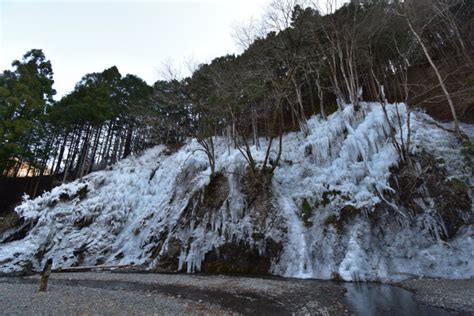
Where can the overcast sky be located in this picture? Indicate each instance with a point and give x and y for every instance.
(138, 37)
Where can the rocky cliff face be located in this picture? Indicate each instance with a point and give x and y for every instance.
(340, 205)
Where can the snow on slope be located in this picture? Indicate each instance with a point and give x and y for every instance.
(134, 212)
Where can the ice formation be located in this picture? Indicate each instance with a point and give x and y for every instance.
(139, 211)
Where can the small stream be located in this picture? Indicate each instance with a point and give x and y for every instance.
(377, 299)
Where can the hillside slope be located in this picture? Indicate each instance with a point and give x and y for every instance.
(340, 205)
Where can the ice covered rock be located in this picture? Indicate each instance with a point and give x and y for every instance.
(340, 204)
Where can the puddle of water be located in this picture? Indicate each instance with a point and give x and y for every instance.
(369, 299)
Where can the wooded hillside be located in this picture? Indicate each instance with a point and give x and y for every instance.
(297, 62)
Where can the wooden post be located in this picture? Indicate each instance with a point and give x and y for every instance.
(45, 275)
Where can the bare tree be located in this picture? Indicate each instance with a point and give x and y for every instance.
(435, 69)
(246, 33)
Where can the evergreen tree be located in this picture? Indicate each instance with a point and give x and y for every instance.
(26, 93)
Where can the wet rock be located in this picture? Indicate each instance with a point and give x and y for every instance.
(242, 258)
(84, 221)
(335, 276)
(17, 233)
(425, 183)
(64, 197)
(81, 193)
(169, 261)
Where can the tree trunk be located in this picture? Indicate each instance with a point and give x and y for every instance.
(82, 159)
(60, 156)
(128, 141)
(94, 150)
(438, 75)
